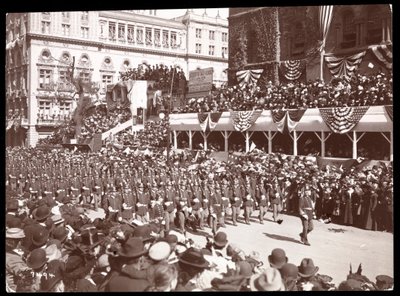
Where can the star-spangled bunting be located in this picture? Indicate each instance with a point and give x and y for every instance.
(286, 121)
(243, 120)
(343, 119)
(208, 121)
(292, 70)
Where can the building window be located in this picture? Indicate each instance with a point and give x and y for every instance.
(149, 37)
(85, 76)
(85, 16)
(111, 31)
(173, 40)
(131, 34)
(65, 29)
(157, 36)
(211, 50)
(62, 75)
(198, 48)
(44, 110)
(45, 27)
(65, 109)
(224, 37)
(106, 79)
(198, 33)
(139, 35)
(224, 52)
(374, 26)
(349, 30)
(165, 38)
(212, 35)
(85, 32)
(45, 77)
(121, 32)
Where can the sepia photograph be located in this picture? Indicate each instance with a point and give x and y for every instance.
(199, 149)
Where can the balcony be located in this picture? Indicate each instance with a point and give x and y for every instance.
(52, 121)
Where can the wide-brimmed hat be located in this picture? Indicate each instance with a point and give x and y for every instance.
(132, 248)
(289, 271)
(16, 233)
(159, 251)
(37, 258)
(40, 236)
(277, 258)
(220, 239)
(41, 213)
(143, 232)
(269, 280)
(193, 257)
(307, 268)
(54, 273)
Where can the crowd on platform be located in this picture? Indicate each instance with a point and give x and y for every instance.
(161, 74)
(140, 243)
(362, 90)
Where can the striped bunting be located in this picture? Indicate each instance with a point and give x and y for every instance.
(248, 76)
(384, 54)
(294, 117)
(344, 67)
(243, 120)
(343, 119)
(325, 18)
(208, 121)
(203, 120)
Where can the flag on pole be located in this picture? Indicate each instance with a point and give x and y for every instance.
(252, 146)
(325, 19)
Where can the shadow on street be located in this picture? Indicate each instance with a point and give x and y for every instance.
(283, 238)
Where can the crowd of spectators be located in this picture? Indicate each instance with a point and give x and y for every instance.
(362, 90)
(53, 245)
(161, 74)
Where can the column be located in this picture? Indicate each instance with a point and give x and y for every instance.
(205, 141)
(190, 140)
(152, 37)
(226, 137)
(269, 142)
(294, 142)
(388, 26)
(175, 140)
(323, 144)
(169, 39)
(354, 145)
(383, 30)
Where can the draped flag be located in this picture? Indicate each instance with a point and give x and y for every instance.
(292, 70)
(208, 121)
(9, 124)
(383, 54)
(389, 111)
(243, 120)
(344, 67)
(342, 119)
(325, 18)
(294, 117)
(248, 76)
(279, 117)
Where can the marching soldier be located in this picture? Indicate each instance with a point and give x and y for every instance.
(236, 201)
(215, 209)
(128, 203)
(142, 205)
(169, 205)
(97, 190)
(262, 201)
(112, 204)
(62, 188)
(227, 195)
(86, 189)
(197, 204)
(34, 188)
(75, 185)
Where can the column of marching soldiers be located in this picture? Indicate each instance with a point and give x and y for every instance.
(133, 192)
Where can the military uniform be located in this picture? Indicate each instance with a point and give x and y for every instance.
(142, 205)
(262, 200)
(197, 208)
(236, 201)
(169, 205)
(97, 190)
(75, 186)
(112, 205)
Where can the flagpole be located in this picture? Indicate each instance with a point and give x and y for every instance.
(321, 70)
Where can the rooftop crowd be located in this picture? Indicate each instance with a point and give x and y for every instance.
(54, 244)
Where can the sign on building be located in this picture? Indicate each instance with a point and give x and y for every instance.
(200, 81)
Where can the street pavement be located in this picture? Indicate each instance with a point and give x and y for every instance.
(333, 247)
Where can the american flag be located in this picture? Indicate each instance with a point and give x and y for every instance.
(343, 119)
(325, 18)
(243, 120)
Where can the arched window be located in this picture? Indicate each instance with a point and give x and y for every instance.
(349, 29)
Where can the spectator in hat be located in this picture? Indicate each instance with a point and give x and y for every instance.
(52, 278)
(37, 261)
(165, 278)
(14, 256)
(384, 283)
(191, 264)
(40, 237)
(307, 272)
(289, 274)
(269, 280)
(131, 276)
(277, 258)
